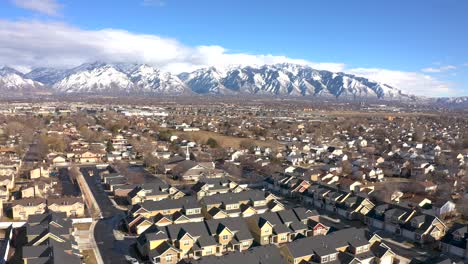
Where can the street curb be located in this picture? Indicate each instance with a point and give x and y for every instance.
(97, 253)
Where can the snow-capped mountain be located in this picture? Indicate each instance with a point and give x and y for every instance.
(13, 81)
(279, 79)
(103, 78)
(144, 77)
(286, 79)
(457, 102)
(205, 81)
(47, 76)
(94, 78)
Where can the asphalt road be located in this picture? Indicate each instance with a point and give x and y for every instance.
(68, 187)
(112, 250)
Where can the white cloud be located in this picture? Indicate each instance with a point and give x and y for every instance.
(48, 7)
(411, 82)
(29, 44)
(37, 43)
(439, 69)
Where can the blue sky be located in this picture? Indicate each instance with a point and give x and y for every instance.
(418, 45)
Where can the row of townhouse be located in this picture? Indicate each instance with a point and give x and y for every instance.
(285, 226)
(169, 244)
(411, 223)
(455, 243)
(189, 209)
(71, 206)
(245, 204)
(211, 186)
(163, 212)
(350, 245)
(138, 193)
(49, 240)
(261, 255)
(215, 237)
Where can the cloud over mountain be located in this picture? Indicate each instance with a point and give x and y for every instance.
(29, 44)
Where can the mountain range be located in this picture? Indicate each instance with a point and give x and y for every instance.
(140, 79)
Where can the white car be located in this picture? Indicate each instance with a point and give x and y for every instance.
(131, 260)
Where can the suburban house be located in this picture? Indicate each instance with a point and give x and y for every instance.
(23, 208)
(49, 240)
(72, 206)
(350, 245)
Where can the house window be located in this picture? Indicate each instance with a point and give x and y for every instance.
(186, 242)
(225, 237)
(324, 259)
(209, 251)
(332, 257)
(169, 257)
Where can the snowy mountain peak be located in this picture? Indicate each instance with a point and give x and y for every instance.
(104, 78)
(14, 81)
(4, 71)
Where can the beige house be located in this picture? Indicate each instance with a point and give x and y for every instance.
(26, 207)
(72, 206)
(59, 160)
(39, 172)
(7, 181)
(28, 192)
(88, 157)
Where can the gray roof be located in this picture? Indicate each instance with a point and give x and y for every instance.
(236, 225)
(257, 255)
(167, 204)
(230, 198)
(326, 245)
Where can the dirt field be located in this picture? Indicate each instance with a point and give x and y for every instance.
(89, 257)
(82, 226)
(224, 141)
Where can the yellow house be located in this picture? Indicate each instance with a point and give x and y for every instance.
(224, 237)
(168, 255)
(158, 249)
(138, 224)
(142, 226)
(185, 243)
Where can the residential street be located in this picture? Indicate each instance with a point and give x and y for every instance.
(112, 250)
